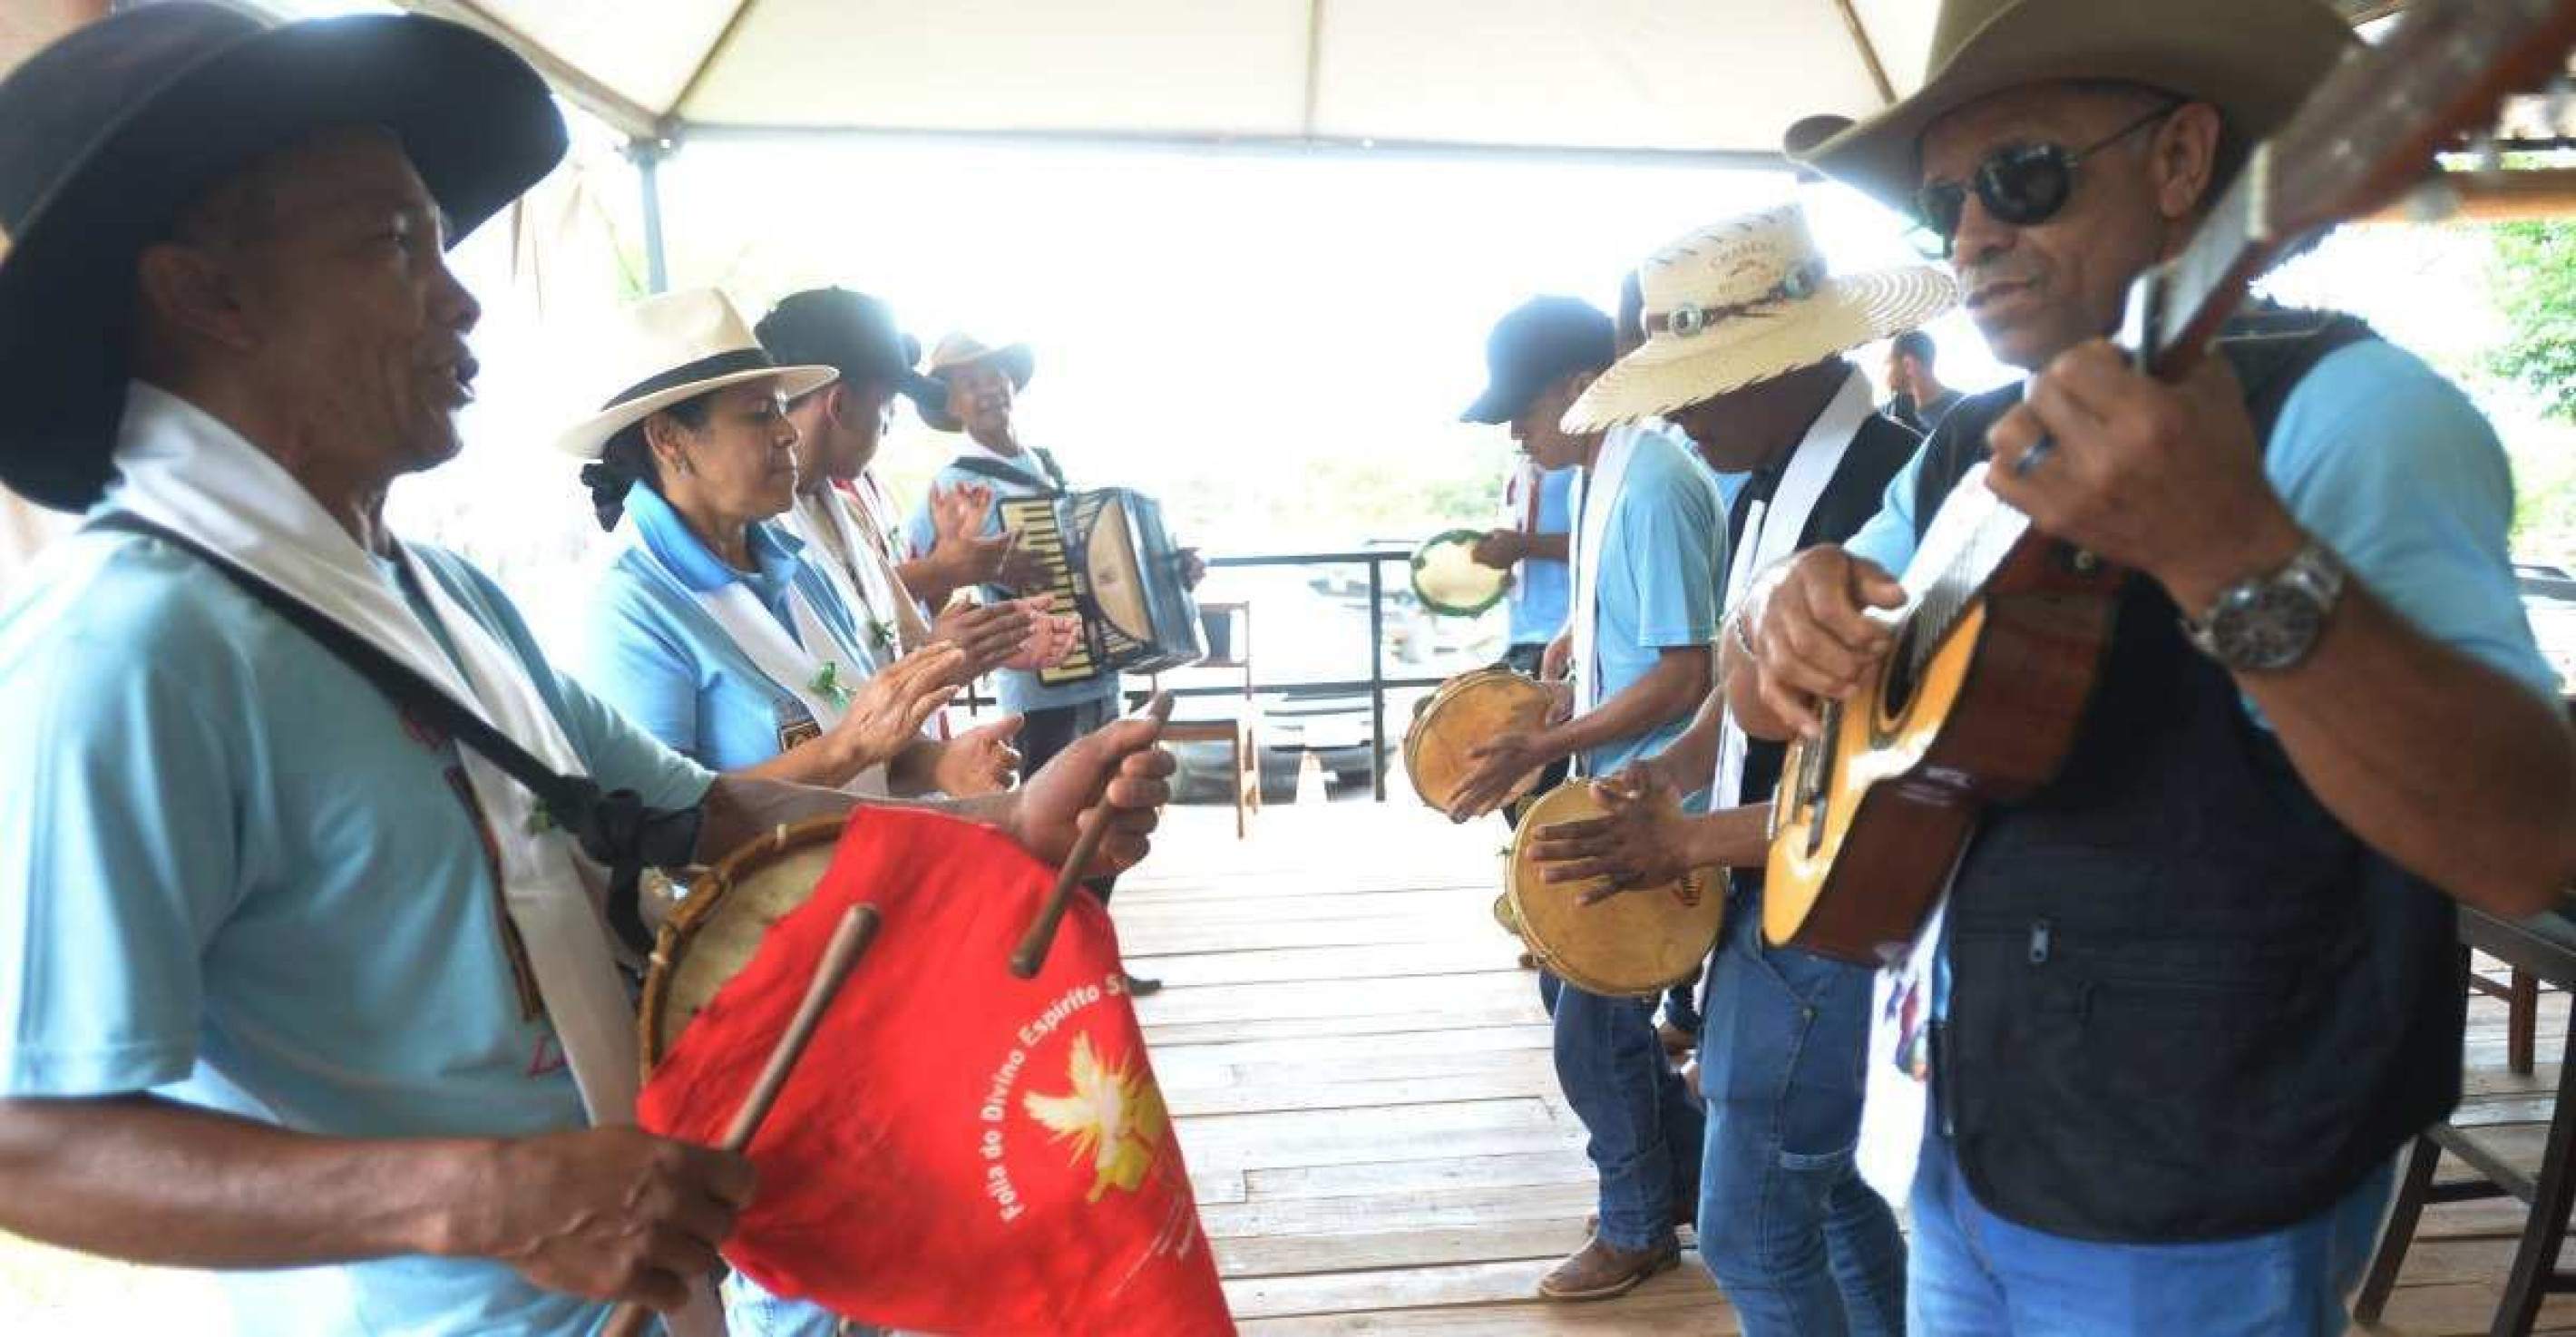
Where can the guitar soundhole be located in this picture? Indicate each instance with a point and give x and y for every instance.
(1896, 686)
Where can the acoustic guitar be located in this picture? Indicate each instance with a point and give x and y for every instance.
(2004, 628)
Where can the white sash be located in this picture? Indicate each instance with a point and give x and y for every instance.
(852, 565)
(754, 630)
(188, 472)
(1771, 534)
(1599, 497)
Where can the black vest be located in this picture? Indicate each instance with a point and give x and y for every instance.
(2185, 1002)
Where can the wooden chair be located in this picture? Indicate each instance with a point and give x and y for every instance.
(2540, 949)
(2521, 995)
(1238, 729)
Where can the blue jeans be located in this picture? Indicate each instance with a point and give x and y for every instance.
(1800, 1243)
(1976, 1273)
(1645, 1132)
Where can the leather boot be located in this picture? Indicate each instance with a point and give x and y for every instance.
(1600, 1270)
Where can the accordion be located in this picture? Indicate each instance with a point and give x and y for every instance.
(1109, 562)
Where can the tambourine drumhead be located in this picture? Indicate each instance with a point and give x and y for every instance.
(1467, 710)
(1448, 579)
(719, 924)
(1636, 944)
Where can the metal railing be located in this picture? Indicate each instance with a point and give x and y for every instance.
(1377, 684)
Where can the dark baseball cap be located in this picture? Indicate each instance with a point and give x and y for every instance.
(852, 332)
(1542, 339)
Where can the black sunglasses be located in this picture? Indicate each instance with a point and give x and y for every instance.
(2020, 184)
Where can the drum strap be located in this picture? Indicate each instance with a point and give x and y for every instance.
(613, 827)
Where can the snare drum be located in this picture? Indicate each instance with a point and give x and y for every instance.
(1634, 945)
(719, 924)
(1449, 580)
(1467, 710)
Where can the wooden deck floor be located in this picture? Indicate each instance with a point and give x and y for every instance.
(1362, 1080)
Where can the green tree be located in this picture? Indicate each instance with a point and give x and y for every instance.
(2533, 280)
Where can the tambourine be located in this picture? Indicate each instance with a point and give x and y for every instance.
(1449, 580)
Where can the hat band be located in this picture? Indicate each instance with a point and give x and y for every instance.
(1690, 319)
(729, 363)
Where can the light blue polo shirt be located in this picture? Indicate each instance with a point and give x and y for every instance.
(1544, 594)
(232, 874)
(1019, 689)
(2394, 469)
(1661, 562)
(663, 661)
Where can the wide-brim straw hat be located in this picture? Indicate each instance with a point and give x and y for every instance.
(676, 347)
(2255, 60)
(1743, 301)
(108, 133)
(961, 350)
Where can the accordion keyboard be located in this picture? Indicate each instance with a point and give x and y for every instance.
(1034, 520)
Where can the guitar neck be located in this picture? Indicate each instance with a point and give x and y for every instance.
(2177, 309)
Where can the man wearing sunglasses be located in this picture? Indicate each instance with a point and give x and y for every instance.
(2190, 998)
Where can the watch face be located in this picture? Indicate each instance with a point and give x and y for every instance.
(2270, 625)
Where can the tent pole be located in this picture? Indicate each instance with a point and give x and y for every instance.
(647, 155)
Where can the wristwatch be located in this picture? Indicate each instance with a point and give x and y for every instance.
(2268, 623)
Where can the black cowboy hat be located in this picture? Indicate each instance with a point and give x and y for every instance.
(855, 333)
(108, 133)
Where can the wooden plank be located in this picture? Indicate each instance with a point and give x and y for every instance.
(1669, 1306)
(1224, 1142)
(2458, 1309)
(1371, 1027)
(1455, 955)
(1364, 1100)
(1303, 883)
(1534, 1064)
(1361, 1214)
(1430, 1287)
(1182, 939)
(1431, 998)
(2445, 1262)
(1377, 1178)
(1547, 1240)
(1253, 1055)
(1219, 1186)
(1471, 905)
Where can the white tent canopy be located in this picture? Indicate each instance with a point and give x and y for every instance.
(1716, 77)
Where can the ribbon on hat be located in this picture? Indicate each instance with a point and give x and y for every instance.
(1690, 319)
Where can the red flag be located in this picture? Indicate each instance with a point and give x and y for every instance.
(960, 1151)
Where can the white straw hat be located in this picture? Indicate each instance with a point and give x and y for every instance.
(1742, 302)
(677, 346)
(960, 349)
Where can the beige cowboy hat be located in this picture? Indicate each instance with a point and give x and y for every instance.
(960, 350)
(1743, 301)
(675, 347)
(2255, 60)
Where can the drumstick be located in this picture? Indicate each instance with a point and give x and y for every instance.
(858, 928)
(1032, 951)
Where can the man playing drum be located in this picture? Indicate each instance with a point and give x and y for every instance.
(1758, 379)
(1649, 534)
(296, 987)
(1535, 537)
